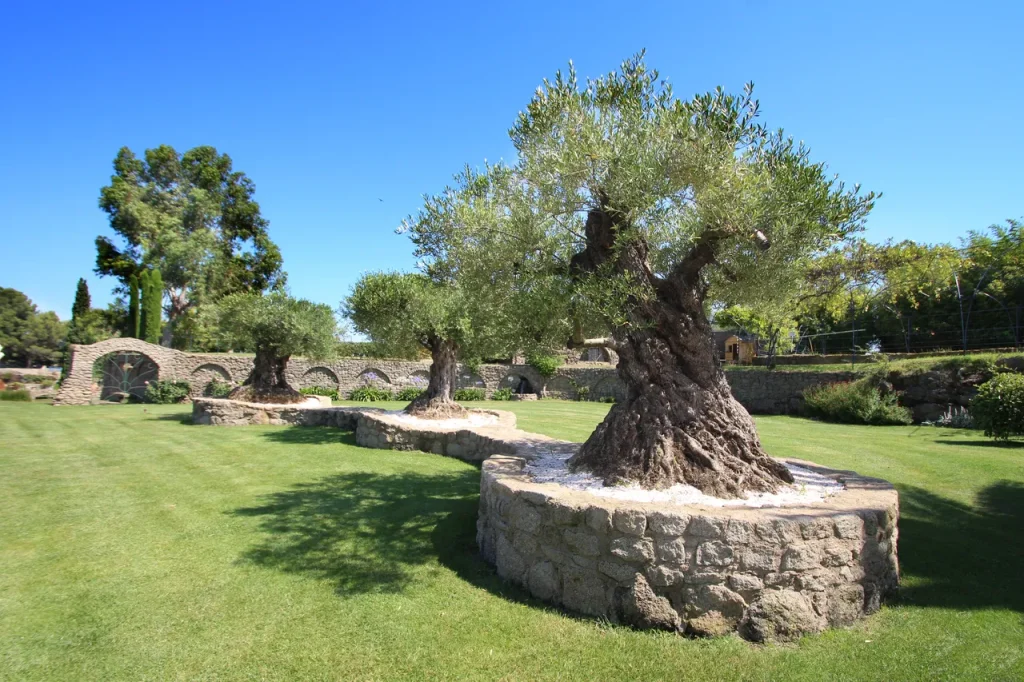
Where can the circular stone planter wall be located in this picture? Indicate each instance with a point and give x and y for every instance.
(770, 573)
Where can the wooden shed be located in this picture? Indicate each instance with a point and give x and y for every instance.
(740, 350)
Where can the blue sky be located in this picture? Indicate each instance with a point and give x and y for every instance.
(344, 114)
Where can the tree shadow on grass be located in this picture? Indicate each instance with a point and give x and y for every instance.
(1006, 445)
(961, 556)
(310, 435)
(363, 532)
(180, 417)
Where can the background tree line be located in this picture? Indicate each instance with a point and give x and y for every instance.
(900, 297)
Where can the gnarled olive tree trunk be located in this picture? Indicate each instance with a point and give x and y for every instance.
(438, 401)
(678, 422)
(267, 382)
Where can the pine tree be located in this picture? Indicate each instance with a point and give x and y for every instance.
(134, 319)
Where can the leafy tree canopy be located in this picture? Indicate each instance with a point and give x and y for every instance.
(28, 337)
(276, 323)
(193, 217)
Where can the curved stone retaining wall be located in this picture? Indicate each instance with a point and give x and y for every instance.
(472, 445)
(773, 573)
(373, 427)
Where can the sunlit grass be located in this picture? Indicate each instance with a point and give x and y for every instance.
(135, 546)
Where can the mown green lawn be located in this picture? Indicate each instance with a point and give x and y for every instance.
(135, 546)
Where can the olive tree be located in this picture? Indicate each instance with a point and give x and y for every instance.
(467, 301)
(644, 206)
(403, 312)
(275, 326)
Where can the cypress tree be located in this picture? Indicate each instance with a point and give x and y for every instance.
(152, 304)
(134, 318)
(83, 302)
(79, 309)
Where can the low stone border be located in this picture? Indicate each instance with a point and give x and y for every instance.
(222, 412)
(770, 573)
(373, 427)
(384, 431)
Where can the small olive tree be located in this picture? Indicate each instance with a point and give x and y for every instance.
(275, 326)
(466, 302)
(404, 312)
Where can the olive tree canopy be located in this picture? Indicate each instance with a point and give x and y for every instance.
(626, 211)
(275, 326)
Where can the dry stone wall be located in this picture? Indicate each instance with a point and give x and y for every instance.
(771, 574)
(761, 392)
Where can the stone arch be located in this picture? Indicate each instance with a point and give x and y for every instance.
(120, 376)
(319, 376)
(205, 373)
(608, 387)
(468, 379)
(518, 383)
(372, 374)
(78, 387)
(419, 377)
(559, 386)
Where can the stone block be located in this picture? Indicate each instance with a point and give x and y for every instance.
(672, 551)
(630, 521)
(800, 558)
(706, 527)
(668, 523)
(542, 580)
(583, 591)
(582, 541)
(599, 519)
(714, 554)
(618, 571)
(633, 549)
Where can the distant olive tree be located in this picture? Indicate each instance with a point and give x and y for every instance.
(276, 327)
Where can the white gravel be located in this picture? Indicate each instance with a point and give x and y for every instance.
(475, 419)
(809, 487)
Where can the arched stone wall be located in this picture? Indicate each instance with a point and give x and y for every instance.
(417, 377)
(518, 382)
(559, 386)
(777, 392)
(78, 386)
(202, 375)
(319, 376)
(367, 376)
(469, 379)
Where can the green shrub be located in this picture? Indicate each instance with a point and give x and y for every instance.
(409, 393)
(502, 394)
(999, 406)
(370, 394)
(15, 386)
(166, 392)
(470, 394)
(544, 364)
(857, 402)
(16, 396)
(218, 389)
(331, 393)
(9, 376)
(606, 399)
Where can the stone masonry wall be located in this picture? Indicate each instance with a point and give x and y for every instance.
(761, 392)
(773, 573)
